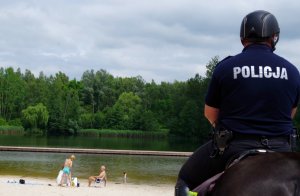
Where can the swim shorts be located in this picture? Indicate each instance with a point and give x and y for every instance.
(66, 170)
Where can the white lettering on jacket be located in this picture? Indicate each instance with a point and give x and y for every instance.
(261, 72)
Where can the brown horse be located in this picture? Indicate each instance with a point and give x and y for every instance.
(268, 174)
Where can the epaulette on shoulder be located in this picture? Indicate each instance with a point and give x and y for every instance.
(226, 58)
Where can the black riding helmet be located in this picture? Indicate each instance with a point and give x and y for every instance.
(258, 26)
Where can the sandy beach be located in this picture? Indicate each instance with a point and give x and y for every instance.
(9, 186)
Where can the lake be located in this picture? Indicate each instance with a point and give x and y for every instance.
(170, 144)
(140, 169)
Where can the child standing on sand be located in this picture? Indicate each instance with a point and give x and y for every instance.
(67, 174)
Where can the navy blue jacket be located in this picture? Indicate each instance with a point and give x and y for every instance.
(255, 92)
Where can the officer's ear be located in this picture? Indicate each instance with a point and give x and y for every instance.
(245, 42)
(274, 40)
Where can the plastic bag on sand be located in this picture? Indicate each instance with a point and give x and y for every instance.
(59, 176)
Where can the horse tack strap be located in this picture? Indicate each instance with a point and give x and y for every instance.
(245, 155)
(207, 185)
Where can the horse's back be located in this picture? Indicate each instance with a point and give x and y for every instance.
(269, 174)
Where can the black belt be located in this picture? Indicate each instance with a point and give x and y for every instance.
(240, 136)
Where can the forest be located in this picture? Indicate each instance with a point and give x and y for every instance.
(57, 105)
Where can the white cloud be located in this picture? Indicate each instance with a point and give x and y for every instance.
(166, 41)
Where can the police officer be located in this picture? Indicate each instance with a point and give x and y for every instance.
(253, 96)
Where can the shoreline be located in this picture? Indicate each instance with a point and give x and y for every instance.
(36, 186)
(95, 151)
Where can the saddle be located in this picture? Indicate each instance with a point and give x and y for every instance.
(207, 186)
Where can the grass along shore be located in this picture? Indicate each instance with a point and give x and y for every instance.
(11, 130)
(123, 133)
(164, 133)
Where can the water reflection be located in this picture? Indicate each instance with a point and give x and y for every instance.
(171, 144)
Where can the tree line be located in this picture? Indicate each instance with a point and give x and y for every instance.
(58, 105)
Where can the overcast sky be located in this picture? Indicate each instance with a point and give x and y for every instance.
(163, 40)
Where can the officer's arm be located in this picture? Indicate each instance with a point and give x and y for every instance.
(211, 114)
(294, 110)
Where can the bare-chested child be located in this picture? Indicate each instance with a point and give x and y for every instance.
(67, 174)
(101, 176)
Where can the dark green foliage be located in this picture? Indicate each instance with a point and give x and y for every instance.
(63, 104)
(148, 121)
(15, 122)
(12, 88)
(86, 120)
(123, 133)
(101, 101)
(35, 118)
(3, 122)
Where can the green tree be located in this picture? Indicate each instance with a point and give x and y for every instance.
(99, 120)
(100, 100)
(35, 118)
(3, 122)
(11, 93)
(158, 99)
(31, 88)
(125, 114)
(129, 84)
(148, 121)
(210, 67)
(86, 120)
(63, 104)
(97, 92)
(187, 123)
